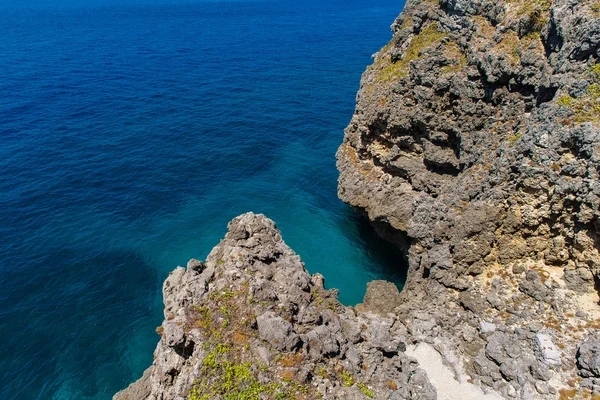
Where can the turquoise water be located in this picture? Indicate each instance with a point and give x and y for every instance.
(131, 135)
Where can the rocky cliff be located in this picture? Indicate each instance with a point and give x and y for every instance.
(251, 323)
(475, 146)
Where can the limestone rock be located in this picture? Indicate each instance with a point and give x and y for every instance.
(588, 358)
(474, 147)
(547, 350)
(382, 297)
(250, 321)
(276, 331)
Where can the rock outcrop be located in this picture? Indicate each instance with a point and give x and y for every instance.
(475, 146)
(251, 323)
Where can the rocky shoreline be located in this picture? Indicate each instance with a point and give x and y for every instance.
(475, 141)
(475, 148)
(250, 322)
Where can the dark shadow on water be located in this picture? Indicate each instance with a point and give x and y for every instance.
(389, 262)
(82, 321)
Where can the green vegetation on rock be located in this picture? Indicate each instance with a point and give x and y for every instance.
(231, 381)
(537, 12)
(364, 388)
(587, 107)
(388, 71)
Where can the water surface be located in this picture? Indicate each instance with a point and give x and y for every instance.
(131, 134)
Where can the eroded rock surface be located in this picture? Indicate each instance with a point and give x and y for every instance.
(251, 323)
(476, 145)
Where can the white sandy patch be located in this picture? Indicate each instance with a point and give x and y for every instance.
(556, 273)
(442, 377)
(589, 303)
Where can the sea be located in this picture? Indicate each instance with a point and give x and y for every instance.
(131, 133)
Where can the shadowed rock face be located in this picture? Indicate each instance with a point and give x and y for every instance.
(251, 323)
(476, 139)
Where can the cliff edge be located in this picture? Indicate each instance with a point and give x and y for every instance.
(475, 147)
(251, 323)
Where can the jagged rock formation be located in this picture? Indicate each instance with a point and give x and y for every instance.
(251, 323)
(475, 146)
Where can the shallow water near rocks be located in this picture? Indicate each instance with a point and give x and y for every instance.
(132, 134)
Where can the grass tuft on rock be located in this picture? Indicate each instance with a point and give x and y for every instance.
(587, 107)
(388, 71)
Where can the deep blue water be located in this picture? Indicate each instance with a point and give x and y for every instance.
(130, 136)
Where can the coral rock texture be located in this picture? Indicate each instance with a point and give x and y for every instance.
(251, 323)
(475, 146)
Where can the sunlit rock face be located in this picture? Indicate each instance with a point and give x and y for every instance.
(251, 323)
(476, 141)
